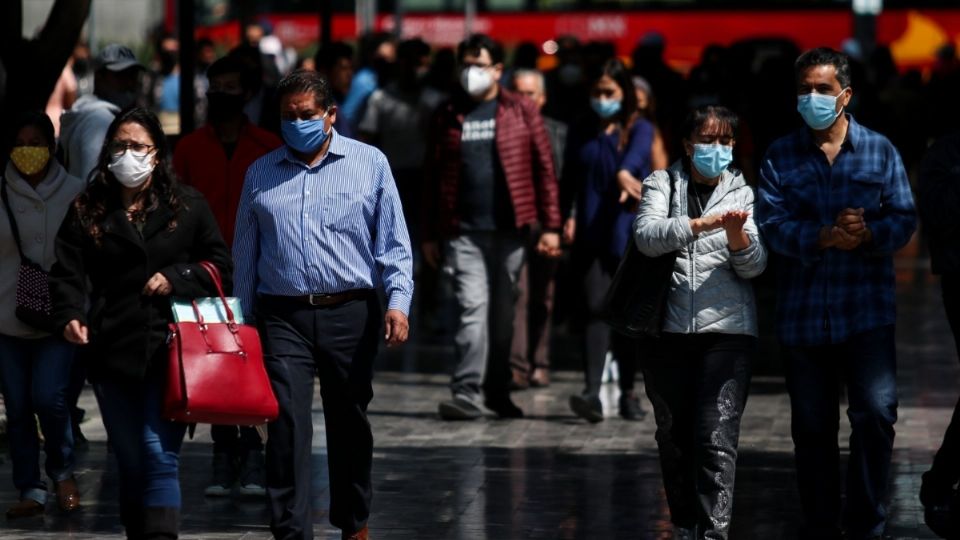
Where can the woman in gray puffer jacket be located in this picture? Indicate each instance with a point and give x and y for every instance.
(698, 371)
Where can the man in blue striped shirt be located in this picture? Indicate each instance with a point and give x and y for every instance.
(835, 204)
(319, 228)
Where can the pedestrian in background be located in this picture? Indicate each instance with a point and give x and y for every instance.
(35, 366)
(533, 313)
(214, 160)
(939, 198)
(608, 151)
(491, 184)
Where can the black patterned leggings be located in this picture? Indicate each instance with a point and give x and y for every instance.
(698, 385)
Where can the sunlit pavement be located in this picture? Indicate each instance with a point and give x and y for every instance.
(548, 475)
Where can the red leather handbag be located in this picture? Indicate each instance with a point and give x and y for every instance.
(216, 373)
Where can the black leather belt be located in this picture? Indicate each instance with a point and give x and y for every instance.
(323, 300)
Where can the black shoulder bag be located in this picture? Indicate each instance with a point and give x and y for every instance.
(637, 297)
(33, 287)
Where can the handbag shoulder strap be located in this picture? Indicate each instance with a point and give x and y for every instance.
(13, 222)
(673, 190)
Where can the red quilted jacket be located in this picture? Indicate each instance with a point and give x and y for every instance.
(523, 147)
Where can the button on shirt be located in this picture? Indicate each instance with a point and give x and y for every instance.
(826, 296)
(325, 229)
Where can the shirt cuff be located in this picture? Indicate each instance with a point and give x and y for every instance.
(401, 302)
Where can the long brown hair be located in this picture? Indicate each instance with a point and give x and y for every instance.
(103, 194)
(628, 115)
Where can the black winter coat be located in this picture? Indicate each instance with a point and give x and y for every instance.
(939, 200)
(128, 330)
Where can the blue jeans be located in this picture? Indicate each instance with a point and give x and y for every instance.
(34, 374)
(866, 364)
(147, 447)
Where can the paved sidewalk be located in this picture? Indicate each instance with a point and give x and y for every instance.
(547, 476)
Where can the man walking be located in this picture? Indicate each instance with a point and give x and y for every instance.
(530, 350)
(491, 185)
(835, 204)
(319, 229)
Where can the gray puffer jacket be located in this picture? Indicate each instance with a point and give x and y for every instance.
(709, 291)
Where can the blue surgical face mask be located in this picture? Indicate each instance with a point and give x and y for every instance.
(605, 108)
(304, 135)
(711, 160)
(819, 111)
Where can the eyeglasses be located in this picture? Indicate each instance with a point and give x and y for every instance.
(117, 148)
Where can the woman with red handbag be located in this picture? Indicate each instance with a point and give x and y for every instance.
(34, 365)
(137, 237)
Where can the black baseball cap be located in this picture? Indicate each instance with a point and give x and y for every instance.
(116, 58)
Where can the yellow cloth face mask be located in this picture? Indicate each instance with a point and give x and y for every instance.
(30, 160)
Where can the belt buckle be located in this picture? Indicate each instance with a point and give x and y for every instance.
(311, 297)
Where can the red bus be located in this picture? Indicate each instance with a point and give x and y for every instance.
(914, 29)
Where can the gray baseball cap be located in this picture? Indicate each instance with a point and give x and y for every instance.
(116, 58)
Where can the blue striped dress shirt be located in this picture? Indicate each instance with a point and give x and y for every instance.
(325, 229)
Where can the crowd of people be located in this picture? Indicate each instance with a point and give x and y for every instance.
(324, 188)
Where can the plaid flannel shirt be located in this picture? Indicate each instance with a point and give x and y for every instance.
(826, 296)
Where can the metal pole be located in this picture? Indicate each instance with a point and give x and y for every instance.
(865, 13)
(188, 54)
(398, 19)
(469, 16)
(326, 24)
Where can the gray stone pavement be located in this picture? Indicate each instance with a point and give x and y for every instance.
(546, 476)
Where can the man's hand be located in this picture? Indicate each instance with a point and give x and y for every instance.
(835, 237)
(158, 285)
(75, 332)
(431, 253)
(569, 231)
(397, 327)
(852, 222)
(549, 245)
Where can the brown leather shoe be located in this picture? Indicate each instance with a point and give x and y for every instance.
(68, 496)
(25, 508)
(519, 381)
(540, 378)
(359, 535)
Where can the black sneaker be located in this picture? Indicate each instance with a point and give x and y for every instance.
(224, 475)
(590, 409)
(630, 408)
(504, 407)
(251, 475)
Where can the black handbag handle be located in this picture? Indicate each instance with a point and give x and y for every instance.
(13, 222)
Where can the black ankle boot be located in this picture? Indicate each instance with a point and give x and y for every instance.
(161, 523)
(132, 523)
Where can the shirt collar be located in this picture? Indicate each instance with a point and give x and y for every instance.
(852, 139)
(338, 147)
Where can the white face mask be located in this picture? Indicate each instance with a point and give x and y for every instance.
(476, 80)
(131, 170)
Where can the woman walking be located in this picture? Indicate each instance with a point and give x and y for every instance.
(606, 155)
(698, 372)
(136, 235)
(34, 365)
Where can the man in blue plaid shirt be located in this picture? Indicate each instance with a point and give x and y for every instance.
(835, 204)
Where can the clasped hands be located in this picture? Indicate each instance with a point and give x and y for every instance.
(848, 232)
(731, 221)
